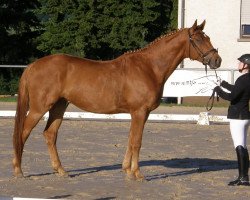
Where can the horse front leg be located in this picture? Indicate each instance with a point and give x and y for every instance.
(131, 160)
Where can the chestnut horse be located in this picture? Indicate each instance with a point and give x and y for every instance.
(132, 83)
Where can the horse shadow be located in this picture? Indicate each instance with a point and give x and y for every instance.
(185, 166)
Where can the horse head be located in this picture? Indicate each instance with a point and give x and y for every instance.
(200, 47)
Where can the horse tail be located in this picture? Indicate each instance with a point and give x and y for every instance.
(21, 111)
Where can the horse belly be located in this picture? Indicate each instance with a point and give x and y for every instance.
(95, 101)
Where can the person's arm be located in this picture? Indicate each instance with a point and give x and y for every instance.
(222, 94)
(236, 92)
(226, 85)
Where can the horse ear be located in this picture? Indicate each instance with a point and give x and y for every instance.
(194, 25)
(201, 27)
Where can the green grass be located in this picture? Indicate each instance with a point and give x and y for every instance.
(8, 99)
(201, 104)
(189, 104)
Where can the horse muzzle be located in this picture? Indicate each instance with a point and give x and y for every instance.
(212, 60)
(215, 62)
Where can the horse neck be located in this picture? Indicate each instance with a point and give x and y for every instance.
(168, 53)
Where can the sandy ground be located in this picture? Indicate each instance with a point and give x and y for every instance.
(179, 161)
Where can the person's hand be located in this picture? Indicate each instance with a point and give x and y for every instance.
(217, 81)
(223, 83)
(217, 88)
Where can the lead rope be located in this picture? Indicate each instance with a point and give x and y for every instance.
(208, 108)
(211, 98)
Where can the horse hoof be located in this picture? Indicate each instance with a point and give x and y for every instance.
(130, 177)
(135, 176)
(63, 173)
(18, 175)
(139, 177)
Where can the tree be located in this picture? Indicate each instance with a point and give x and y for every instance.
(122, 25)
(174, 14)
(18, 28)
(101, 29)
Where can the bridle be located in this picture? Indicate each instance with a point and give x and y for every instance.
(199, 51)
(202, 55)
(205, 62)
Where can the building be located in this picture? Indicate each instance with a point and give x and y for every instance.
(227, 24)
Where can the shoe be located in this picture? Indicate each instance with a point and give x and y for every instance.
(240, 181)
(243, 165)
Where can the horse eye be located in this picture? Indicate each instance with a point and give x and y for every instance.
(199, 39)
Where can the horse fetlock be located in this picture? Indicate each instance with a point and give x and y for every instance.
(17, 168)
(126, 165)
(15, 163)
(55, 164)
(127, 170)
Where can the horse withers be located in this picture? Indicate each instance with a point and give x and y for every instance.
(132, 83)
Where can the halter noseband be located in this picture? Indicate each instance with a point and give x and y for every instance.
(199, 51)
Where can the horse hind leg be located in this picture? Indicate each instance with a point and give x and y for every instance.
(50, 134)
(30, 122)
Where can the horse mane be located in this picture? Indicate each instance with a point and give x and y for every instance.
(155, 41)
